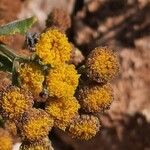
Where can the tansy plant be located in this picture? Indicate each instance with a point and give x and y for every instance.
(48, 91)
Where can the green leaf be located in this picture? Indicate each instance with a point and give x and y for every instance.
(5, 63)
(18, 26)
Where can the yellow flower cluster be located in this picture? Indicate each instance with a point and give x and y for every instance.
(95, 98)
(53, 47)
(35, 125)
(96, 95)
(52, 74)
(68, 104)
(14, 102)
(62, 110)
(102, 65)
(62, 81)
(31, 77)
(84, 127)
(6, 142)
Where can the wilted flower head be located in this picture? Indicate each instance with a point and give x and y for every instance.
(11, 127)
(53, 47)
(14, 102)
(35, 125)
(59, 18)
(85, 127)
(62, 110)
(6, 142)
(76, 56)
(44, 144)
(102, 65)
(31, 77)
(95, 98)
(62, 81)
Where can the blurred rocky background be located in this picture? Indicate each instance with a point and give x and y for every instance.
(123, 25)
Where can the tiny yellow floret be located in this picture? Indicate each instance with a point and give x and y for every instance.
(35, 125)
(31, 77)
(102, 65)
(62, 81)
(53, 47)
(6, 142)
(14, 102)
(63, 110)
(85, 127)
(95, 98)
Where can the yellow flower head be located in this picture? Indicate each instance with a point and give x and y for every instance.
(63, 110)
(95, 98)
(102, 65)
(6, 142)
(62, 81)
(40, 145)
(14, 102)
(35, 125)
(85, 127)
(31, 77)
(53, 47)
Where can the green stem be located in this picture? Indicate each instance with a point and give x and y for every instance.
(11, 55)
(7, 52)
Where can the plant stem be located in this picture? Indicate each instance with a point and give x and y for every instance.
(7, 52)
(4, 50)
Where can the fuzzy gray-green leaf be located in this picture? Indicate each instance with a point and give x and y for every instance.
(18, 26)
